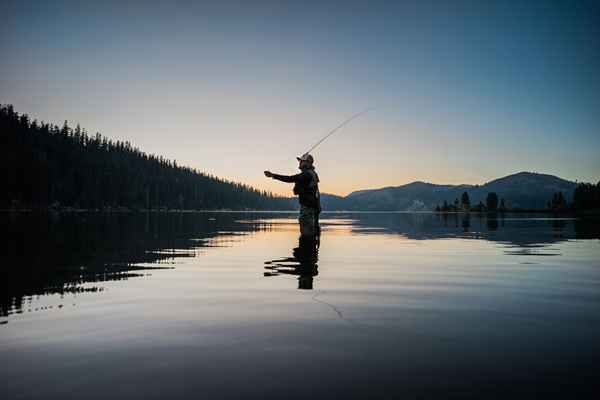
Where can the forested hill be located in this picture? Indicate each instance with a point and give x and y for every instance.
(47, 166)
(520, 191)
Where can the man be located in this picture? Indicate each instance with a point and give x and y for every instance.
(306, 186)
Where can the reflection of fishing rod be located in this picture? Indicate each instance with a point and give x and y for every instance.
(337, 128)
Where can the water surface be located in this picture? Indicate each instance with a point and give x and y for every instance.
(225, 305)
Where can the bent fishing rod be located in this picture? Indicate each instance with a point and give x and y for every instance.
(347, 121)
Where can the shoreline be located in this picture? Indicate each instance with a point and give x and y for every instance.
(125, 210)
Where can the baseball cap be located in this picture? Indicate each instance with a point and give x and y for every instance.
(306, 157)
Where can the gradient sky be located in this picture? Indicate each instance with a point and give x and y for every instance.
(464, 92)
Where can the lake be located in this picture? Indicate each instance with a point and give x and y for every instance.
(235, 305)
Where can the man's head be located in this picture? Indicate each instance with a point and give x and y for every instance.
(305, 161)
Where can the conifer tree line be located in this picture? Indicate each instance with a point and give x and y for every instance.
(492, 204)
(586, 197)
(44, 165)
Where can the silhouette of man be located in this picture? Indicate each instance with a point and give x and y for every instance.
(306, 187)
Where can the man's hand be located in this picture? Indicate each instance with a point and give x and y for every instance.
(268, 174)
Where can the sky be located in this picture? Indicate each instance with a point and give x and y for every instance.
(462, 91)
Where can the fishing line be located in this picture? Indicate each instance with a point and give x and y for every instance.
(337, 128)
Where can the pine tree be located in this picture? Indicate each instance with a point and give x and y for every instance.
(492, 201)
(465, 202)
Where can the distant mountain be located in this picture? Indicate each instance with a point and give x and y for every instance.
(521, 190)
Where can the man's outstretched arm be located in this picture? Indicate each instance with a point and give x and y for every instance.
(283, 178)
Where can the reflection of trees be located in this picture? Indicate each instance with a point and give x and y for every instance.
(466, 221)
(587, 228)
(57, 253)
(492, 222)
(510, 229)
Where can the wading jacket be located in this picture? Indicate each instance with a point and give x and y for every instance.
(306, 187)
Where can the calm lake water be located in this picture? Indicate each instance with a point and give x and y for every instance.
(234, 305)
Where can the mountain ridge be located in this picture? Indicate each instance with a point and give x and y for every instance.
(450, 184)
(522, 189)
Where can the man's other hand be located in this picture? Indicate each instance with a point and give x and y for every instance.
(268, 174)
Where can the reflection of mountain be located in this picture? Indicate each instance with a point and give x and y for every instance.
(521, 190)
(518, 230)
(58, 253)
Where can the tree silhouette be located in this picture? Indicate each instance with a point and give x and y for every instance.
(492, 201)
(502, 205)
(445, 206)
(558, 202)
(586, 197)
(480, 206)
(465, 202)
(47, 166)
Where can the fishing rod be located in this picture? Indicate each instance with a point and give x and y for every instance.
(337, 128)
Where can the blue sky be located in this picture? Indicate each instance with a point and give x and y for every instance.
(464, 92)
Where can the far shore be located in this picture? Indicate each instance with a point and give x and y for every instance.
(126, 210)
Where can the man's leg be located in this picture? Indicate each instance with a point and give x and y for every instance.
(307, 221)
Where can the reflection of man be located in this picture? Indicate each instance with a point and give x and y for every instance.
(306, 186)
(303, 263)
